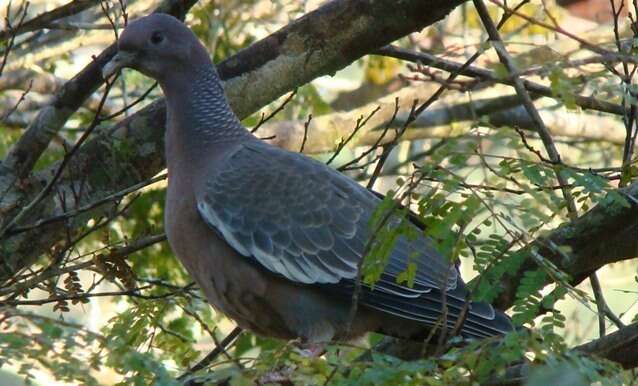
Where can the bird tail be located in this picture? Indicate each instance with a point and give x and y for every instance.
(483, 321)
(471, 320)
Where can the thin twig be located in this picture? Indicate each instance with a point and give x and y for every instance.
(22, 98)
(58, 173)
(375, 145)
(134, 292)
(361, 122)
(584, 43)
(43, 19)
(387, 148)
(228, 340)
(265, 118)
(12, 32)
(305, 133)
(544, 134)
(488, 75)
(54, 270)
(129, 106)
(104, 5)
(72, 213)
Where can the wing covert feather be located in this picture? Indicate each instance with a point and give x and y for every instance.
(305, 221)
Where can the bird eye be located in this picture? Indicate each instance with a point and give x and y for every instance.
(157, 37)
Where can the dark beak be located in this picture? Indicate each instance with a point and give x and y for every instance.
(120, 60)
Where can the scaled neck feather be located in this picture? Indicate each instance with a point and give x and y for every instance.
(198, 110)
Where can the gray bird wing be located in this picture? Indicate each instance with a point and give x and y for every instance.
(309, 223)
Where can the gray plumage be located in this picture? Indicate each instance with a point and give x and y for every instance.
(274, 238)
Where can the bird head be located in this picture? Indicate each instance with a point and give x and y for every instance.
(156, 45)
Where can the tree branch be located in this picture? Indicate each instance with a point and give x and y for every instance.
(620, 346)
(488, 75)
(42, 20)
(604, 235)
(325, 130)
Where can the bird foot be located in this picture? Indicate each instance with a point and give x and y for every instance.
(282, 375)
(277, 377)
(311, 350)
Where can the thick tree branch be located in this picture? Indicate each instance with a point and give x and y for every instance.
(488, 75)
(321, 43)
(620, 346)
(604, 235)
(449, 116)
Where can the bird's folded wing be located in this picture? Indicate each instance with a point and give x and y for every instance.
(307, 222)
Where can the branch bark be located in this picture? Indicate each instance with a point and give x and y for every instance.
(489, 76)
(449, 116)
(619, 346)
(605, 234)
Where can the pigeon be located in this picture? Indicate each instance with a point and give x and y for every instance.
(275, 239)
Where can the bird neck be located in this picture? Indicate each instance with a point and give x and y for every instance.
(198, 110)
